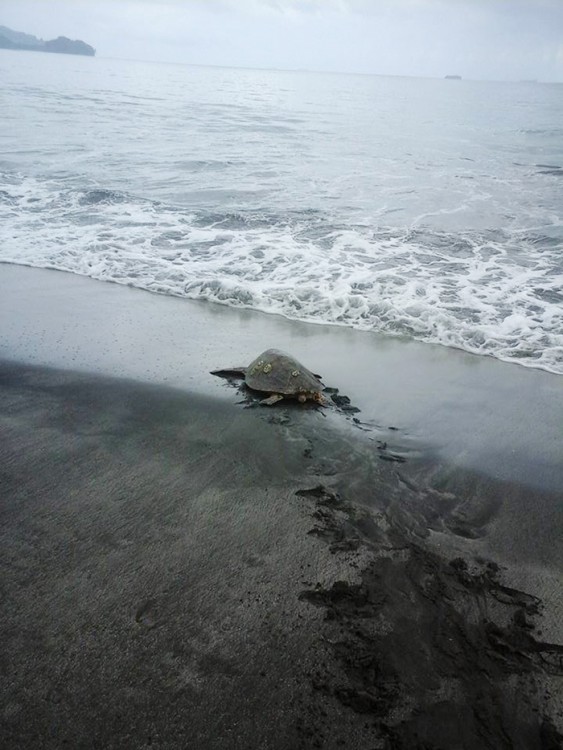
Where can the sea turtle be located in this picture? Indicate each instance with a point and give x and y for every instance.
(280, 375)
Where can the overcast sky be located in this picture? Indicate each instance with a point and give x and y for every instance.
(489, 39)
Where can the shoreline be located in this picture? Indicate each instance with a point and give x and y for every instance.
(476, 412)
(179, 568)
(181, 565)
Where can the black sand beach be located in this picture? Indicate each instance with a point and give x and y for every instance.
(184, 569)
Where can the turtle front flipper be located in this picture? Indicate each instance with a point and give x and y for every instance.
(230, 372)
(271, 400)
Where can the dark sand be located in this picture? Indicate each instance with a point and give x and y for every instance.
(180, 570)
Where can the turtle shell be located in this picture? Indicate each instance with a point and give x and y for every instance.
(277, 372)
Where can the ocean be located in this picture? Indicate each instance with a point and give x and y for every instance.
(420, 208)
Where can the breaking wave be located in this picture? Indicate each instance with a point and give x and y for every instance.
(489, 292)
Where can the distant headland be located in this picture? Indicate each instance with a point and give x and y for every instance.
(10, 39)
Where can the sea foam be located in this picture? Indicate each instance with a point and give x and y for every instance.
(489, 292)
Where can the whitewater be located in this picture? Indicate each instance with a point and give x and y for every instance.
(430, 209)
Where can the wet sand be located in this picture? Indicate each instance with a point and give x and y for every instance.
(475, 412)
(182, 568)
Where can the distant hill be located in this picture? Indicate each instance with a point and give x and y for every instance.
(10, 39)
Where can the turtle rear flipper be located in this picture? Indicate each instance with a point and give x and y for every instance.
(271, 400)
(230, 372)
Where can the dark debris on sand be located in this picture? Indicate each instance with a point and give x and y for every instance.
(432, 654)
